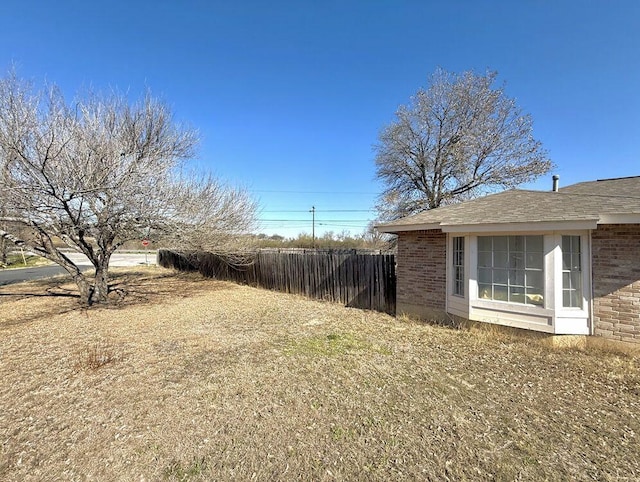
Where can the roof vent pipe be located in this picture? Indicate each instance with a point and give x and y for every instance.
(555, 178)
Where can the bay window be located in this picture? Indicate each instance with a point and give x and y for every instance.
(533, 281)
(511, 269)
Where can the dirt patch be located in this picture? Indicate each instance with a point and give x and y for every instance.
(193, 379)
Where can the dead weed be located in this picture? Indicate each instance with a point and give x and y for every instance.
(96, 356)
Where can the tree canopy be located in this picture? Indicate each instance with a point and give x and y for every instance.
(455, 140)
(100, 171)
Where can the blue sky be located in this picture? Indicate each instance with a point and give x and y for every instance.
(289, 96)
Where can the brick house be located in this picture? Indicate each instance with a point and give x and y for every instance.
(565, 261)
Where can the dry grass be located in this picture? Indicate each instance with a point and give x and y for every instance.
(194, 379)
(16, 260)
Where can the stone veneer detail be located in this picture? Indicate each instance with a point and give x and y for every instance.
(616, 281)
(421, 273)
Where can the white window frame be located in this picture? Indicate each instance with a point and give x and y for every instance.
(457, 304)
(570, 271)
(551, 317)
(508, 270)
(455, 258)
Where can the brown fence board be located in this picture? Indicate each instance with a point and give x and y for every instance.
(356, 278)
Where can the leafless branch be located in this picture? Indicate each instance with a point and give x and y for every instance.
(457, 139)
(101, 171)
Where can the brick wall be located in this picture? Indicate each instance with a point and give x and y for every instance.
(616, 281)
(421, 273)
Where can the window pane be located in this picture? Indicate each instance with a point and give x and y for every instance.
(500, 276)
(484, 243)
(458, 265)
(517, 295)
(484, 275)
(500, 243)
(566, 258)
(484, 259)
(511, 268)
(484, 291)
(576, 280)
(534, 298)
(500, 259)
(516, 260)
(571, 272)
(459, 288)
(576, 298)
(516, 243)
(535, 244)
(500, 293)
(575, 262)
(535, 260)
(575, 244)
(535, 279)
(516, 277)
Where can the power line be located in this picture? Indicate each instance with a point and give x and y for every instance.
(313, 192)
(344, 225)
(318, 220)
(320, 211)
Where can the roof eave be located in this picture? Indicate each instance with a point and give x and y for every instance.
(627, 218)
(531, 226)
(398, 228)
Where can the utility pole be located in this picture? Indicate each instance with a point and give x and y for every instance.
(313, 225)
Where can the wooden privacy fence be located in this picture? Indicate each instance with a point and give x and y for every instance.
(356, 278)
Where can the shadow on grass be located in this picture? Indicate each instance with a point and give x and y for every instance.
(40, 295)
(141, 287)
(41, 299)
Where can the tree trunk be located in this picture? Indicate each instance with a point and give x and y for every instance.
(100, 291)
(3, 252)
(84, 287)
(94, 291)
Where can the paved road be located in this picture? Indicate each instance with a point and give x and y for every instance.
(118, 259)
(11, 276)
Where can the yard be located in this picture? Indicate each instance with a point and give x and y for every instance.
(195, 379)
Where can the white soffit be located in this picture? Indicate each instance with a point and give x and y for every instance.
(545, 226)
(397, 228)
(631, 218)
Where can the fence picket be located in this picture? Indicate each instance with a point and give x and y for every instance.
(361, 279)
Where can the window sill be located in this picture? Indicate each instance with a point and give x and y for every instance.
(506, 306)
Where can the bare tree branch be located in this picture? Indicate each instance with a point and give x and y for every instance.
(455, 140)
(99, 172)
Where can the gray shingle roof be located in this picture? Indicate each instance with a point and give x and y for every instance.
(585, 201)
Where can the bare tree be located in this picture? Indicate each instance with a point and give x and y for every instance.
(457, 139)
(99, 172)
(374, 239)
(4, 246)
